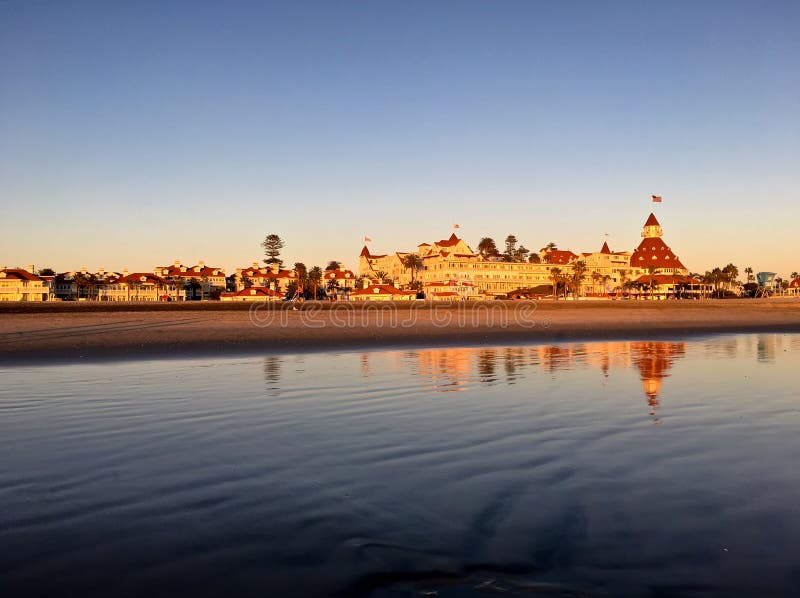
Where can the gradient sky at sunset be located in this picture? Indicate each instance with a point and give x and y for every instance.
(135, 133)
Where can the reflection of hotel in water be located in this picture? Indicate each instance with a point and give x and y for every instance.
(447, 370)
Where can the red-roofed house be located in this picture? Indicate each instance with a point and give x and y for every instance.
(382, 292)
(21, 284)
(271, 277)
(140, 286)
(199, 281)
(252, 294)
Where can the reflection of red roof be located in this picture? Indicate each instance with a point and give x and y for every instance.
(654, 252)
(381, 289)
(19, 274)
(651, 220)
(254, 292)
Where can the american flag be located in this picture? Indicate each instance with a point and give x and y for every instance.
(367, 240)
(456, 226)
(656, 198)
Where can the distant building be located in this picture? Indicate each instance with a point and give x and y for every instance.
(199, 282)
(272, 277)
(140, 286)
(252, 294)
(382, 292)
(23, 284)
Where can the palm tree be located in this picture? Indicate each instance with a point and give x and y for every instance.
(605, 278)
(315, 279)
(651, 271)
(794, 275)
(578, 274)
(487, 247)
(595, 278)
(623, 278)
(555, 275)
(552, 246)
(80, 281)
(333, 265)
(414, 263)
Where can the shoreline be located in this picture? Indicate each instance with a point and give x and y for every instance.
(81, 333)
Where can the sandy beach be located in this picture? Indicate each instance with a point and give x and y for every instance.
(70, 332)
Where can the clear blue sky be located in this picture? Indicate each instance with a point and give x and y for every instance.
(134, 133)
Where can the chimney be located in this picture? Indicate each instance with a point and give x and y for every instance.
(275, 267)
(125, 272)
(83, 270)
(102, 271)
(177, 263)
(255, 265)
(29, 268)
(202, 264)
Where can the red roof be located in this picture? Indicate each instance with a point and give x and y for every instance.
(453, 240)
(189, 272)
(605, 249)
(445, 294)
(335, 274)
(19, 274)
(654, 252)
(267, 273)
(382, 289)
(651, 220)
(558, 256)
(795, 284)
(147, 276)
(254, 292)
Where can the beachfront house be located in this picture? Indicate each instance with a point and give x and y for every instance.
(23, 284)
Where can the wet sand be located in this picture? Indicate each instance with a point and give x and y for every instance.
(31, 333)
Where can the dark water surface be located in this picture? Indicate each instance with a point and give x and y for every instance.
(594, 469)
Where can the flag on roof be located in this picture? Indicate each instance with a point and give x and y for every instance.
(656, 198)
(456, 226)
(367, 240)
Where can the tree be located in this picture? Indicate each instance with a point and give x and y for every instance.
(333, 265)
(730, 273)
(381, 275)
(301, 271)
(46, 272)
(272, 245)
(595, 279)
(487, 247)
(534, 259)
(522, 254)
(192, 284)
(315, 279)
(511, 248)
(651, 271)
(414, 263)
(555, 276)
(749, 272)
(552, 246)
(247, 282)
(578, 273)
(81, 281)
(794, 275)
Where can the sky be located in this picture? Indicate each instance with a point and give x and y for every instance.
(136, 133)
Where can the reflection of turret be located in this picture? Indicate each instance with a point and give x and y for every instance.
(653, 360)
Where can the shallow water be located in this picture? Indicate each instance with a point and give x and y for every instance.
(592, 469)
